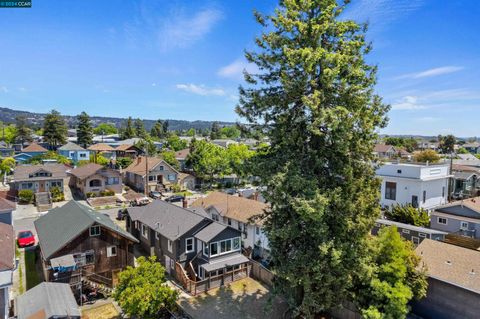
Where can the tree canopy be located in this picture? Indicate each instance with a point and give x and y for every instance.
(127, 131)
(427, 156)
(175, 143)
(54, 129)
(105, 128)
(314, 97)
(23, 132)
(447, 143)
(409, 215)
(169, 157)
(84, 130)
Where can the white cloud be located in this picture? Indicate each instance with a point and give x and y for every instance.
(200, 89)
(448, 98)
(407, 103)
(3, 89)
(431, 72)
(235, 69)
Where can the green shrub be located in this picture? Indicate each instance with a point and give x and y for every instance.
(91, 194)
(25, 196)
(176, 188)
(57, 194)
(107, 192)
(124, 162)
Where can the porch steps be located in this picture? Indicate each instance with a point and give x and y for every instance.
(43, 201)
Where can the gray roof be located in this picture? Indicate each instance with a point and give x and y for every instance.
(210, 232)
(71, 147)
(63, 224)
(169, 220)
(464, 175)
(459, 210)
(23, 172)
(411, 227)
(52, 298)
(230, 260)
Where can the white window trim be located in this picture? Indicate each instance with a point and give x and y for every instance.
(186, 245)
(225, 252)
(109, 251)
(143, 235)
(446, 220)
(170, 245)
(406, 231)
(461, 225)
(99, 230)
(422, 235)
(157, 236)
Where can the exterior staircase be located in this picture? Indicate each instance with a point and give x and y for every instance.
(43, 201)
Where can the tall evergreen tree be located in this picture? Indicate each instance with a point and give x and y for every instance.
(157, 130)
(139, 129)
(215, 131)
(128, 131)
(23, 132)
(54, 129)
(84, 130)
(314, 96)
(165, 126)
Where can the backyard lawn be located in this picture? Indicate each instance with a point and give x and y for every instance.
(32, 276)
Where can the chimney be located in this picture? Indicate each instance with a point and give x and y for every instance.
(185, 204)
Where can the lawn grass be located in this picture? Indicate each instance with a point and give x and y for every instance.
(107, 311)
(31, 273)
(184, 193)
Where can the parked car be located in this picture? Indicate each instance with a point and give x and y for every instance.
(175, 198)
(141, 201)
(121, 214)
(25, 238)
(155, 195)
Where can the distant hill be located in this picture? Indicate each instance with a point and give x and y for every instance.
(8, 115)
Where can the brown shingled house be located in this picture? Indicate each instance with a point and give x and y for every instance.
(94, 178)
(39, 178)
(161, 175)
(127, 150)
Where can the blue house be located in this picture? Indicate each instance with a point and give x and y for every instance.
(28, 152)
(74, 152)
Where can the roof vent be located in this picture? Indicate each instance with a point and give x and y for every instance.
(448, 262)
(472, 272)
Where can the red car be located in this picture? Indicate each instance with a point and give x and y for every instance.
(25, 238)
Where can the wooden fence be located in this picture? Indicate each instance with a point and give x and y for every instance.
(262, 274)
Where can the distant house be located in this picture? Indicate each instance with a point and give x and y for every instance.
(48, 300)
(389, 151)
(104, 149)
(224, 142)
(39, 178)
(6, 151)
(240, 213)
(94, 178)
(161, 175)
(466, 181)
(6, 211)
(7, 266)
(467, 160)
(473, 147)
(74, 152)
(78, 242)
(128, 150)
(423, 186)
(453, 281)
(186, 240)
(34, 150)
(181, 157)
(186, 181)
(411, 233)
(460, 217)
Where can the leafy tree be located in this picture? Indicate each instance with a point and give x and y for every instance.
(427, 156)
(462, 150)
(447, 143)
(314, 97)
(105, 128)
(23, 132)
(409, 215)
(165, 127)
(396, 278)
(215, 131)
(38, 159)
(6, 167)
(176, 143)
(207, 160)
(54, 129)
(230, 132)
(84, 130)
(147, 145)
(128, 131)
(157, 130)
(237, 156)
(169, 157)
(410, 144)
(191, 132)
(98, 158)
(124, 162)
(142, 291)
(140, 129)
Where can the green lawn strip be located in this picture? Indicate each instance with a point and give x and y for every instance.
(31, 273)
(187, 193)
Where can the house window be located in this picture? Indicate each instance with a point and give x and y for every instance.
(170, 245)
(215, 217)
(257, 230)
(145, 231)
(415, 240)
(161, 168)
(213, 249)
(424, 199)
(89, 257)
(55, 184)
(399, 171)
(415, 201)
(442, 220)
(111, 251)
(83, 155)
(236, 243)
(443, 191)
(95, 230)
(85, 258)
(229, 221)
(422, 235)
(240, 226)
(95, 183)
(205, 249)
(152, 178)
(405, 231)
(171, 177)
(390, 190)
(224, 246)
(157, 236)
(113, 181)
(27, 186)
(464, 225)
(189, 245)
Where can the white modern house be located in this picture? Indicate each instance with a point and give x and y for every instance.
(421, 185)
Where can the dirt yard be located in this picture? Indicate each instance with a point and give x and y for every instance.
(106, 311)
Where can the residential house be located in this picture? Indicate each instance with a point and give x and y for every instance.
(5, 150)
(427, 145)
(181, 157)
(186, 240)
(110, 138)
(415, 234)
(453, 281)
(39, 178)
(127, 150)
(161, 175)
(77, 242)
(7, 267)
(74, 152)
(466, 182)
(421, 185)
(104, 149)
(28, 152)
(473, 147)
(6, 211)
(385, 151)
(187, 181)
(467, 160)
(240, 213)
(94, 178)
(47, 300)
(460, 217)
(224, 142)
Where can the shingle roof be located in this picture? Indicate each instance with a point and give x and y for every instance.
(7, 247)
(5, 205)
(382, 148)
(182, 154)
(34, 147)
(62, 224)
(101, 147)
(51, 298)
(138, 166)
(235, 207)
(210, 231)
(167, 219)
(70, 146)
(450, 263)
(464, 208)
(22, 172)
(85, 171)
(125, 147)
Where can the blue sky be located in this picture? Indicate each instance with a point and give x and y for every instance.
(183, 59)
